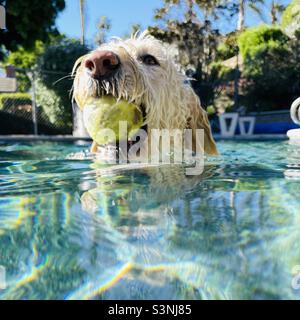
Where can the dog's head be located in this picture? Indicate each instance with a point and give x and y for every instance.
(140, 70)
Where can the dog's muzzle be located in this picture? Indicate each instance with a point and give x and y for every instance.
(102, 65)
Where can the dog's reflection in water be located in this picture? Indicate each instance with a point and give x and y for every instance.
(137, 197)
(142, 208)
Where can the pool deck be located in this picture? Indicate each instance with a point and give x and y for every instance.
(21, 137)
(261, 137)
(71, 138)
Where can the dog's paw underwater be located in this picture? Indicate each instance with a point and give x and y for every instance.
(102, 117)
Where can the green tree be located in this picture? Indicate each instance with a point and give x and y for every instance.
(290, 20)
(228, 46)
(193, 36)
(55, 66)
(25, 59)
(271, 81)
(256, 39)
(28, 21)
(103, 27)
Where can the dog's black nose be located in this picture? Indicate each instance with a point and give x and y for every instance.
(102, 64)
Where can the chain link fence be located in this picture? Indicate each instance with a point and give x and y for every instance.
(41, 104)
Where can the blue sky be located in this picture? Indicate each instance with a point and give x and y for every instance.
(122, 14)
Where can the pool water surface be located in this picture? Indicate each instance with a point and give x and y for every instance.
(79, 229)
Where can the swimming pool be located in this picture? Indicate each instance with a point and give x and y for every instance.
(76, 229)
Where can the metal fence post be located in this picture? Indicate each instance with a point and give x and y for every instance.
(236, 82)
(34, 109)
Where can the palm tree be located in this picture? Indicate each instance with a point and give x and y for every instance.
(103, 26)
(253, 5)
(275, 9)
(241, 15)
(81, 7)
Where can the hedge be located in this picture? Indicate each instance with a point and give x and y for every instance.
(12, 100)
(256, 39)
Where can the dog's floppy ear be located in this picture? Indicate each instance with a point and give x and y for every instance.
(198, 120)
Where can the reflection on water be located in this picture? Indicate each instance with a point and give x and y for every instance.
(83, 230)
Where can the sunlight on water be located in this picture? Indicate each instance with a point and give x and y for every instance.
(81, 229)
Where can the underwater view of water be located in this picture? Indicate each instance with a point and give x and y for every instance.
(81, 229)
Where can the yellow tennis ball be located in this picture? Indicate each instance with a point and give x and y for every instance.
(101, 115)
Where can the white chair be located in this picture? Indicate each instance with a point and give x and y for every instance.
(242, 123)
(228, 123)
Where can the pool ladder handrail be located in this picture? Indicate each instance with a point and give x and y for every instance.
(295, 111)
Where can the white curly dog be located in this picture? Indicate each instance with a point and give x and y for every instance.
(141, 70)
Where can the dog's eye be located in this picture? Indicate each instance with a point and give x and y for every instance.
(149, 60)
